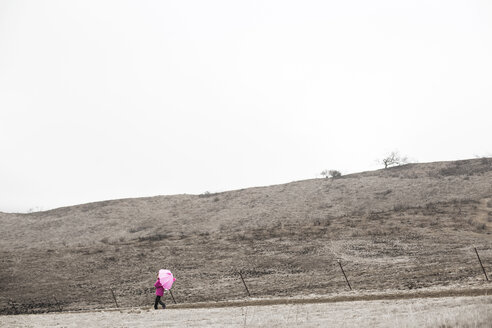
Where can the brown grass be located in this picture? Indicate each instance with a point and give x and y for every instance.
(431, 312)
(402, 228)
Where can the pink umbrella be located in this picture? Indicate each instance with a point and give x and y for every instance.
(166, 278)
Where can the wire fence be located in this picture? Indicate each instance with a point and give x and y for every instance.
(246, 283)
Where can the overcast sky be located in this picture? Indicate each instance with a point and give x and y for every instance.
(114, 99)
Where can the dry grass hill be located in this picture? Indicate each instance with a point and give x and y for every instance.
(406, 227)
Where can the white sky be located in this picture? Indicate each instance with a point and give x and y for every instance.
(114, 99)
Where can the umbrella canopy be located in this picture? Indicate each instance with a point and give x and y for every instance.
(166, 278)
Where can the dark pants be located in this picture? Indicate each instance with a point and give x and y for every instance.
(158, 301)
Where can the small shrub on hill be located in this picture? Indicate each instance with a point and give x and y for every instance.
(335, 174)
(479, 226)
(331, 174)
(207, 194)
(467, 168)
(400, 207)
(137, 229)
(155, 237)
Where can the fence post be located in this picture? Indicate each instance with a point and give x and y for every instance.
(340, 263)
(114, 297)
(480, 261)
(58, 304)
(247, 290)
(12, 304)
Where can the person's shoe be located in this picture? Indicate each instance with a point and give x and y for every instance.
(163, 306)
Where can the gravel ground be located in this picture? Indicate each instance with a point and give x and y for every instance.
(428, 312)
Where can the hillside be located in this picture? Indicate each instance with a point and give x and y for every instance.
(401, 228)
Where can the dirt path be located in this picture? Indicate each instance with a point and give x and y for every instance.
(417, 312)
(350, 297)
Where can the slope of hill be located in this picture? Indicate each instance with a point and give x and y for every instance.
(405, 227)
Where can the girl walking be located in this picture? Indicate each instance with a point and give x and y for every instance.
(159, 292)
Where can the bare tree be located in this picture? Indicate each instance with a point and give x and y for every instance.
(394, 159)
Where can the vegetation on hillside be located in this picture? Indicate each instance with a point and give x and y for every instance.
(404, 227)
